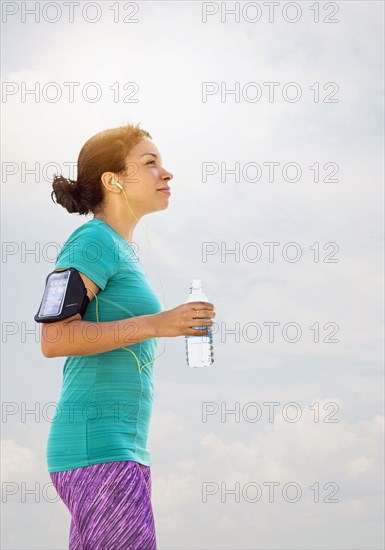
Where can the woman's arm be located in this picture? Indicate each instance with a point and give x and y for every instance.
(77, 337)
(73, 336)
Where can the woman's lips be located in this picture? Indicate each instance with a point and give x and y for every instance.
(165, 190)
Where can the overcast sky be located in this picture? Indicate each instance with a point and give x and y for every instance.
(171, 66)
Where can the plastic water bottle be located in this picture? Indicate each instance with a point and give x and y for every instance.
(199, 349)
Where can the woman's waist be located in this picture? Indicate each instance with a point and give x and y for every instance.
(100, 409)
(126, 352)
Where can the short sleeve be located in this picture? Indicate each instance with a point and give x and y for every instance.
(91, 251)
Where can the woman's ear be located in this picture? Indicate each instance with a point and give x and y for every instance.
(109, 181)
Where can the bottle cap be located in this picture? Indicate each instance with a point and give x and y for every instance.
(196, 283)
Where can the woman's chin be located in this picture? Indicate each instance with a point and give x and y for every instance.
(162, 206)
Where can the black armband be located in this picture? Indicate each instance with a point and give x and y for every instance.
(65, 295)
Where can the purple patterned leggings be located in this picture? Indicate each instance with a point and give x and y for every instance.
(110, 505)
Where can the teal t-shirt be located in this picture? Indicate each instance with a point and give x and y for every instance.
(105, 404)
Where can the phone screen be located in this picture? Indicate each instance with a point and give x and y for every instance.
(53, 298)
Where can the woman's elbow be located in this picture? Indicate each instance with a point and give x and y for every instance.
(47, 351)
(47, 348)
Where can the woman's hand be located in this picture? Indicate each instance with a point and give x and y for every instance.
(179, 320)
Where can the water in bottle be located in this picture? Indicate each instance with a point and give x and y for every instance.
(199, 349)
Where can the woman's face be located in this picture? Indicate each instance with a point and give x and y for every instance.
(144, 177)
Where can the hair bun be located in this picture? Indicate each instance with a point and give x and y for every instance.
(66, 193)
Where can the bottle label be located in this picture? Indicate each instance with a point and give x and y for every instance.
(204, 338)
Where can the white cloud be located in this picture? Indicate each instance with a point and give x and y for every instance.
(304, 453)
(164, 426)
(17, 461)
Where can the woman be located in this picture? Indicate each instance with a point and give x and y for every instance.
(97, 451)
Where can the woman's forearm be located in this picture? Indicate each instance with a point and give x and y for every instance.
(78, 337)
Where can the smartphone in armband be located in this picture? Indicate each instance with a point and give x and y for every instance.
(65, 295)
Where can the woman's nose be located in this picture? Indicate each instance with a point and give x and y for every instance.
(168, 175)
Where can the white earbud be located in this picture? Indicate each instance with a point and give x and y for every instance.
(117, 183)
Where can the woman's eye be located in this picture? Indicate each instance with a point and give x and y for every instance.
(151, 161)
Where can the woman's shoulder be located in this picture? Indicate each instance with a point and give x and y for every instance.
(91, 250)
(93, 229)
